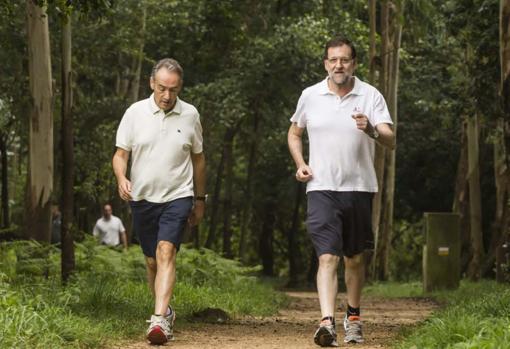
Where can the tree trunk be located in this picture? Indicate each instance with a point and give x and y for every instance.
(372, 49)
(248, 197)
(380, 152)
(5, 183)
(504, 44)
(40, 173)
(215, 200)
(461, 199)
(227, 196)
(389, 180)
(135, 85)
(293, 248)
(266, 240)
(474, 199)
(67, 238)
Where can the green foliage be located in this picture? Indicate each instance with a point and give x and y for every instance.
(407, 250)
(477, 315)
(107, 298)
(394, 289)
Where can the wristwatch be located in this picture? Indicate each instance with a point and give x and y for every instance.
(201, 198)
(374, 134)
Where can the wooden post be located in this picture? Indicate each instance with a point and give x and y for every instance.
(441, 254)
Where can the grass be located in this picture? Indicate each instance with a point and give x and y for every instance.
(108, 299)
(477, 315)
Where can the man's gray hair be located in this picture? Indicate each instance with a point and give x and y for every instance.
(170, 64)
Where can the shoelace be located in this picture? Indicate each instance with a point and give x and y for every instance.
(353, 328)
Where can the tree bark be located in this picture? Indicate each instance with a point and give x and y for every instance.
(248, 197)
(293, 248)
(40, 173)
(135, 86)
(380, 152)
(227, 196)
(67, 239)
(474, 269)
(461, 199)
(6, 223)
(266, 240)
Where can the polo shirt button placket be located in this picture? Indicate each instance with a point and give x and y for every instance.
(163, 126)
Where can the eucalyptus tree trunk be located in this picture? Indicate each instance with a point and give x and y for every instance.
(461, 198)
(67, 238)
(503, 171)
(5, 182)
(386, 231)
(135, 85)
(294, 254)
(378, 209)
(215, 201)
(474, 199)
(40, 173)
(248, 196)
(227, 196)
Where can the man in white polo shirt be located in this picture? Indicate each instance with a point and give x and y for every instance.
(166, 190)
(109, 229)
(344, 117)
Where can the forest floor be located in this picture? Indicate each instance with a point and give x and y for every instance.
(293, 327)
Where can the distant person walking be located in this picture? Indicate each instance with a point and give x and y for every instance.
(166, 190)
(344, 118)
(109, 229)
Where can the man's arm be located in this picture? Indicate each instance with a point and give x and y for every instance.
(198, 161)
(385, 136)
(119, 163)
(123, 238)
(294, 139)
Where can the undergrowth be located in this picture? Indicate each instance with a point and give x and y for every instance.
(107, 298)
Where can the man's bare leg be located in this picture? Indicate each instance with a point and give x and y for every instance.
(164, 282)
(151, 267)
(327, 283)
(354, 278)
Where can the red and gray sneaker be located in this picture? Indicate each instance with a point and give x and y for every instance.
(352, 326)
(160, 330)
(325, 336)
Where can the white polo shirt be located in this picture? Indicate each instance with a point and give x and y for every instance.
(341, 156)
(109, 230)
(160, 146)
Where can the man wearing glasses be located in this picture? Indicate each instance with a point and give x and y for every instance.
(344, 118)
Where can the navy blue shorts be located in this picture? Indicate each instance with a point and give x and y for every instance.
(340, 223)
(155, 222)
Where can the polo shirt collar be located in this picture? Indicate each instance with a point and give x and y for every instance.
(154, 107)
(356, 90)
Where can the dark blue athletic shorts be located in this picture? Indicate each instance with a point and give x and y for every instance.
(340, 223)
(155, 222)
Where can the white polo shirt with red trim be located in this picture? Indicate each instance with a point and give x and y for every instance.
(341, 156)
(161, 146)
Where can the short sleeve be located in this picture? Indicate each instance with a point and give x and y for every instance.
(121, 226)
(124, 137)
(197, 141)
(299, 116)
(380, 113)
(96, 231)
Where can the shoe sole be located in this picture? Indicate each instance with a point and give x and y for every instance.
(323, 338)
(157, 336)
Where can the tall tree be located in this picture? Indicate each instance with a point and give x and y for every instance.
(67, 134)
(40, 176)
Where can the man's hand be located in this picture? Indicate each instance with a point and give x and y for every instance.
(304, 173)
(124, 187)
(197, 213)
(363, 124)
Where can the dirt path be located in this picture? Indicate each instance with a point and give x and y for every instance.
(293, 327)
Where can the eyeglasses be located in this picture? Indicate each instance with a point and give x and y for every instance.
(342, 60)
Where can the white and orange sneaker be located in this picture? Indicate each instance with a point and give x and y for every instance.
(352, 326)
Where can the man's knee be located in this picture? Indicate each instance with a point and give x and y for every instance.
(165, 251)
(151, 263)
(355, 261)
(328, 260)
